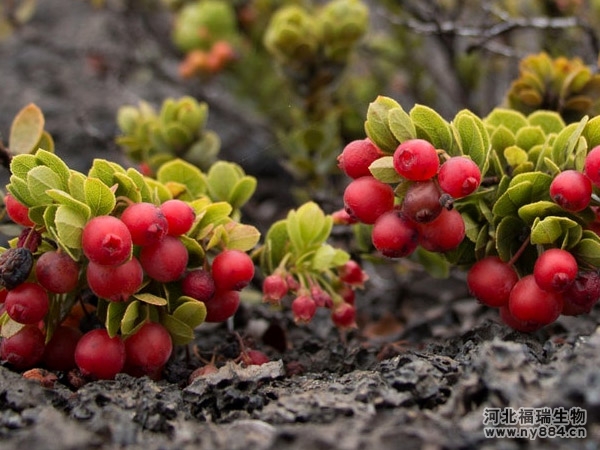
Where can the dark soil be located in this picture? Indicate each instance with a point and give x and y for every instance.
(417, 373)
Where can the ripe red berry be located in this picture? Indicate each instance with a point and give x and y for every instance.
(28, 303)
(99, 356)
(571, 190)
(443, 234)
(367, 198)
(17, 211)
(516, 324)
(394, 236)
(416, 160)
(459, 176)
(582, 294)
(421, 202)
(180, 216)
(303, 308)
(59, 353)
(555, 270)
(148, 350)
(57, 272)
(343, 315)
(146, 223)
(274, 288)
(529, 303)
(222, 306)
(24, 349)
(166, 260)
(357, 156)
(106, 240)
(115, 283)
(490, 280)
(198, 284)
(592, 165)
(232, 270)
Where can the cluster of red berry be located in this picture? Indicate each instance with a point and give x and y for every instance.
(123, 254)
(425, 215)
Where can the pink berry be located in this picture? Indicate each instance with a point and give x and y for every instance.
(443, 234)
(394, 236)
(166, 260)
(99, 356)
(57, 272)
(303, 308)
(28, 303)
(222, 306)
(592, 165)
(148, 350)
(416, 160)
(555, 270)
(344, 315)
(529, 303)
(17, 211)
(519, 325)
(459, 176)
(24, 349)
(179, 215)
(367, 198)
(198, 284)
(571, 190)
(274, 288)
(232, 270)
(115, 283)
(106, 240)
(353, 274)
(357, 156)
(146, 223)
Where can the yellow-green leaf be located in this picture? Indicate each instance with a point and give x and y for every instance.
(99, 197)
(26, 130)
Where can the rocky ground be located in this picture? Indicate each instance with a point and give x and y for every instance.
(420, 370)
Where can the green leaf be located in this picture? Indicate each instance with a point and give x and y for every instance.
(105, 171)
(214, 213)
(39, 180)
(507, 233)
(401, 124)
(276, 246)
(550, 229)
(75, 185)
(99, 197)
(529, 212)
(150, 299)
(20, 165)
(431, 127)
(242, 237)
(126, 187)
(140, 181)
(435, 264)
(502, 138)
(528, 137)
(26, 130)
(509, 118)
(588, 249)
(221, 178)
(549, 121)
(591, 132)
(132, 317)
(114, 315)
(308, 226)
(69, 224)
(472, 137)
(185, 173)
(191, 312)
(181, 333)
(383, 169)
(514, 197)
(20, 190)
(566, 141)
(57, 165)
(327, 257)
(46, 142)
(515, 155)
(377, 126)
(64, 198)
(242, 191)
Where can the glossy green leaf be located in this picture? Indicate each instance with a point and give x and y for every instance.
(548, 121)
(126, 187)
(383, 169)
(181, 333)
(377, 126)
(401, 124)
(509, 118)
(191, 312)
(550, 229)
(26, 130)
(531, 211)
(114, 315)
(46, 142)
(581, 151)
(515, 196)
(431, 126)
(99, 197)
(185, 173)
(214, 213)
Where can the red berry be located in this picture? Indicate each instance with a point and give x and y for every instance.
(222, 306)
(416, 160)
(303, 308)
(148, 350)
(17, 211)
(166, 260)
(115, 283)
(571, 190)
(24, 349)
(367, 198)
(106, 240)
(60, 350)
(357, 156)
(274, 288)
(198, 284)
(353, 274)
(99, 356)
(146, 223)
(321, 298)
(582, 294)
(516, 324)
(421, 202)
(232, 270)
(529, 303)
(394, 235)
(555, 270)
(180, 216)
(57, 272)
(490, 280)
(443, 234)
(254, 358)
(28, 303)
(341, 217)
(344, 315)
(592, 165)
(459, 176)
